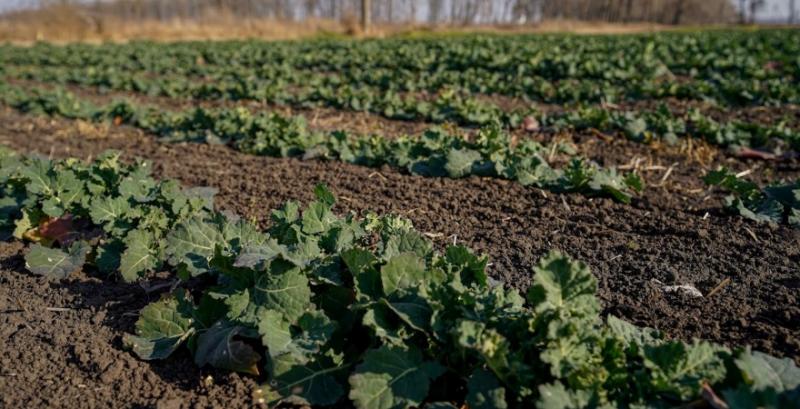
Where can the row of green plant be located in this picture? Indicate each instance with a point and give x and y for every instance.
(437, 153)
(327, 310)
(754, 67)
(111, 214)
(661, 124)
(742, 53)
(446, 106)
(378, 92)
(777, 203)
(643, 126)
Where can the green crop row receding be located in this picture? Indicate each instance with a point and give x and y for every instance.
(327, 310)
(734, 67)
(437, 153)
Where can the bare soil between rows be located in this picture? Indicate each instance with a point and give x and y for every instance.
(62, 340)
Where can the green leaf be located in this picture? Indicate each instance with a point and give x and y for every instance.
(471, 268)
(313, 383)
(385, 324)
(160, 330)
(317, 330)
(485, 392)
(631, 334)
(408, 241)
(138, 184)
(678, 368)
(139, 256)
(56, 263)
(259, 256)
(460, 161)
(361, 264)
(108, 210)
(286, 292)
(324, 195)
(39, 173)
(561, 284)
(555, 396)
(413, 310)
(109, 255)
(317, 218)
(218, 348)
(275, 332)
(392, 378)
(401, 272)
(191, 245)
(763, 372)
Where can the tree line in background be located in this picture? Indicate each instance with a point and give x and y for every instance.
(440, 11)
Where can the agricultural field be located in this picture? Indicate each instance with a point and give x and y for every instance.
(460, 221)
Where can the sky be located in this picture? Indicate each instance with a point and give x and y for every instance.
(775, 9)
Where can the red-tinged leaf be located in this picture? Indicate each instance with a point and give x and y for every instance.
(711, 397)
(530, 124)
(61, 230)
(748, 153)
(773, 65)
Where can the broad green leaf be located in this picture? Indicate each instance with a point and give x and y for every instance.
(56, 263)
(303, 253)
(679, 368)
(275, 332)
(555, 396)
(392, 378)
(385, 324)
(361, 264)
(317, 330)
(765, 372)
(108, 210)
(160, 330)
(138, 184)
(286, 292)
(460, 161)
(401, 272)
(631, 334)
(324, 195)
(109, 255)
(259, 256)
(470, 267)
(39, 173)
(313, 383)
(407, 242)
(561, 284)
(489, 343)
(485, 392)
(192, 244)
(139, 256)
(240, 234)
(218, 348)
(317, 218)
(413, 310)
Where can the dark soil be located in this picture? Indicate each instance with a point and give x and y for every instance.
(61, 348)
(675, 234)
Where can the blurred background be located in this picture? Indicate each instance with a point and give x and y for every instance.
(119, 20)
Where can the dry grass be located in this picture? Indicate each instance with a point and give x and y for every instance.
(68, 24)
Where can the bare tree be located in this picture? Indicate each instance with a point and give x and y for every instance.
(366, 9)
